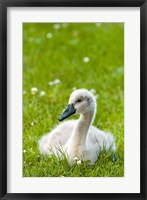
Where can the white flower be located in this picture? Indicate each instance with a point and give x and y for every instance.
(50, 83)
(57, 81)
(49, 35)
(79, 162)
(24, 151)
(86, 59)
(34, 90)
(74, 88)
(93, 91)
(98, 24)
(42, 93)
(57, 26)
(76, 159)
(33, 123)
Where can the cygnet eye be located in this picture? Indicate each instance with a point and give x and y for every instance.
(79, 100)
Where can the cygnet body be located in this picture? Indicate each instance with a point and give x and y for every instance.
(78, 138)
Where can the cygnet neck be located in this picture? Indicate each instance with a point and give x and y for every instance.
(81, 129)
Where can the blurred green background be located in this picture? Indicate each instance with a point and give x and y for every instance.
(57, 59)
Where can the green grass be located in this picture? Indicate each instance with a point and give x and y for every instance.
(61, 57)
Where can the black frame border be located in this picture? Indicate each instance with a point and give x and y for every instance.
(4, 4)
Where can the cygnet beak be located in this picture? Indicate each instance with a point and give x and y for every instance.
(70, 110)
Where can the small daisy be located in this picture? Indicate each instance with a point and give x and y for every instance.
(57, 26)
(86, 59)
(93, 91)
(79, 162)
(57, 81)
(49, 35)
(76, 159)
(33, 123)
(74, 88)
(34, 90)
(42, 93)
(51, 83)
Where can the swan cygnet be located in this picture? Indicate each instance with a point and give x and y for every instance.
(78, 138)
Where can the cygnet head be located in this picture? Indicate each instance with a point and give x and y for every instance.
(81, 101)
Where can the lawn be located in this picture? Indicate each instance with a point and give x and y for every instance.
(58, 58)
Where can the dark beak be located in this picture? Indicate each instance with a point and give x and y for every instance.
(70, 110)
